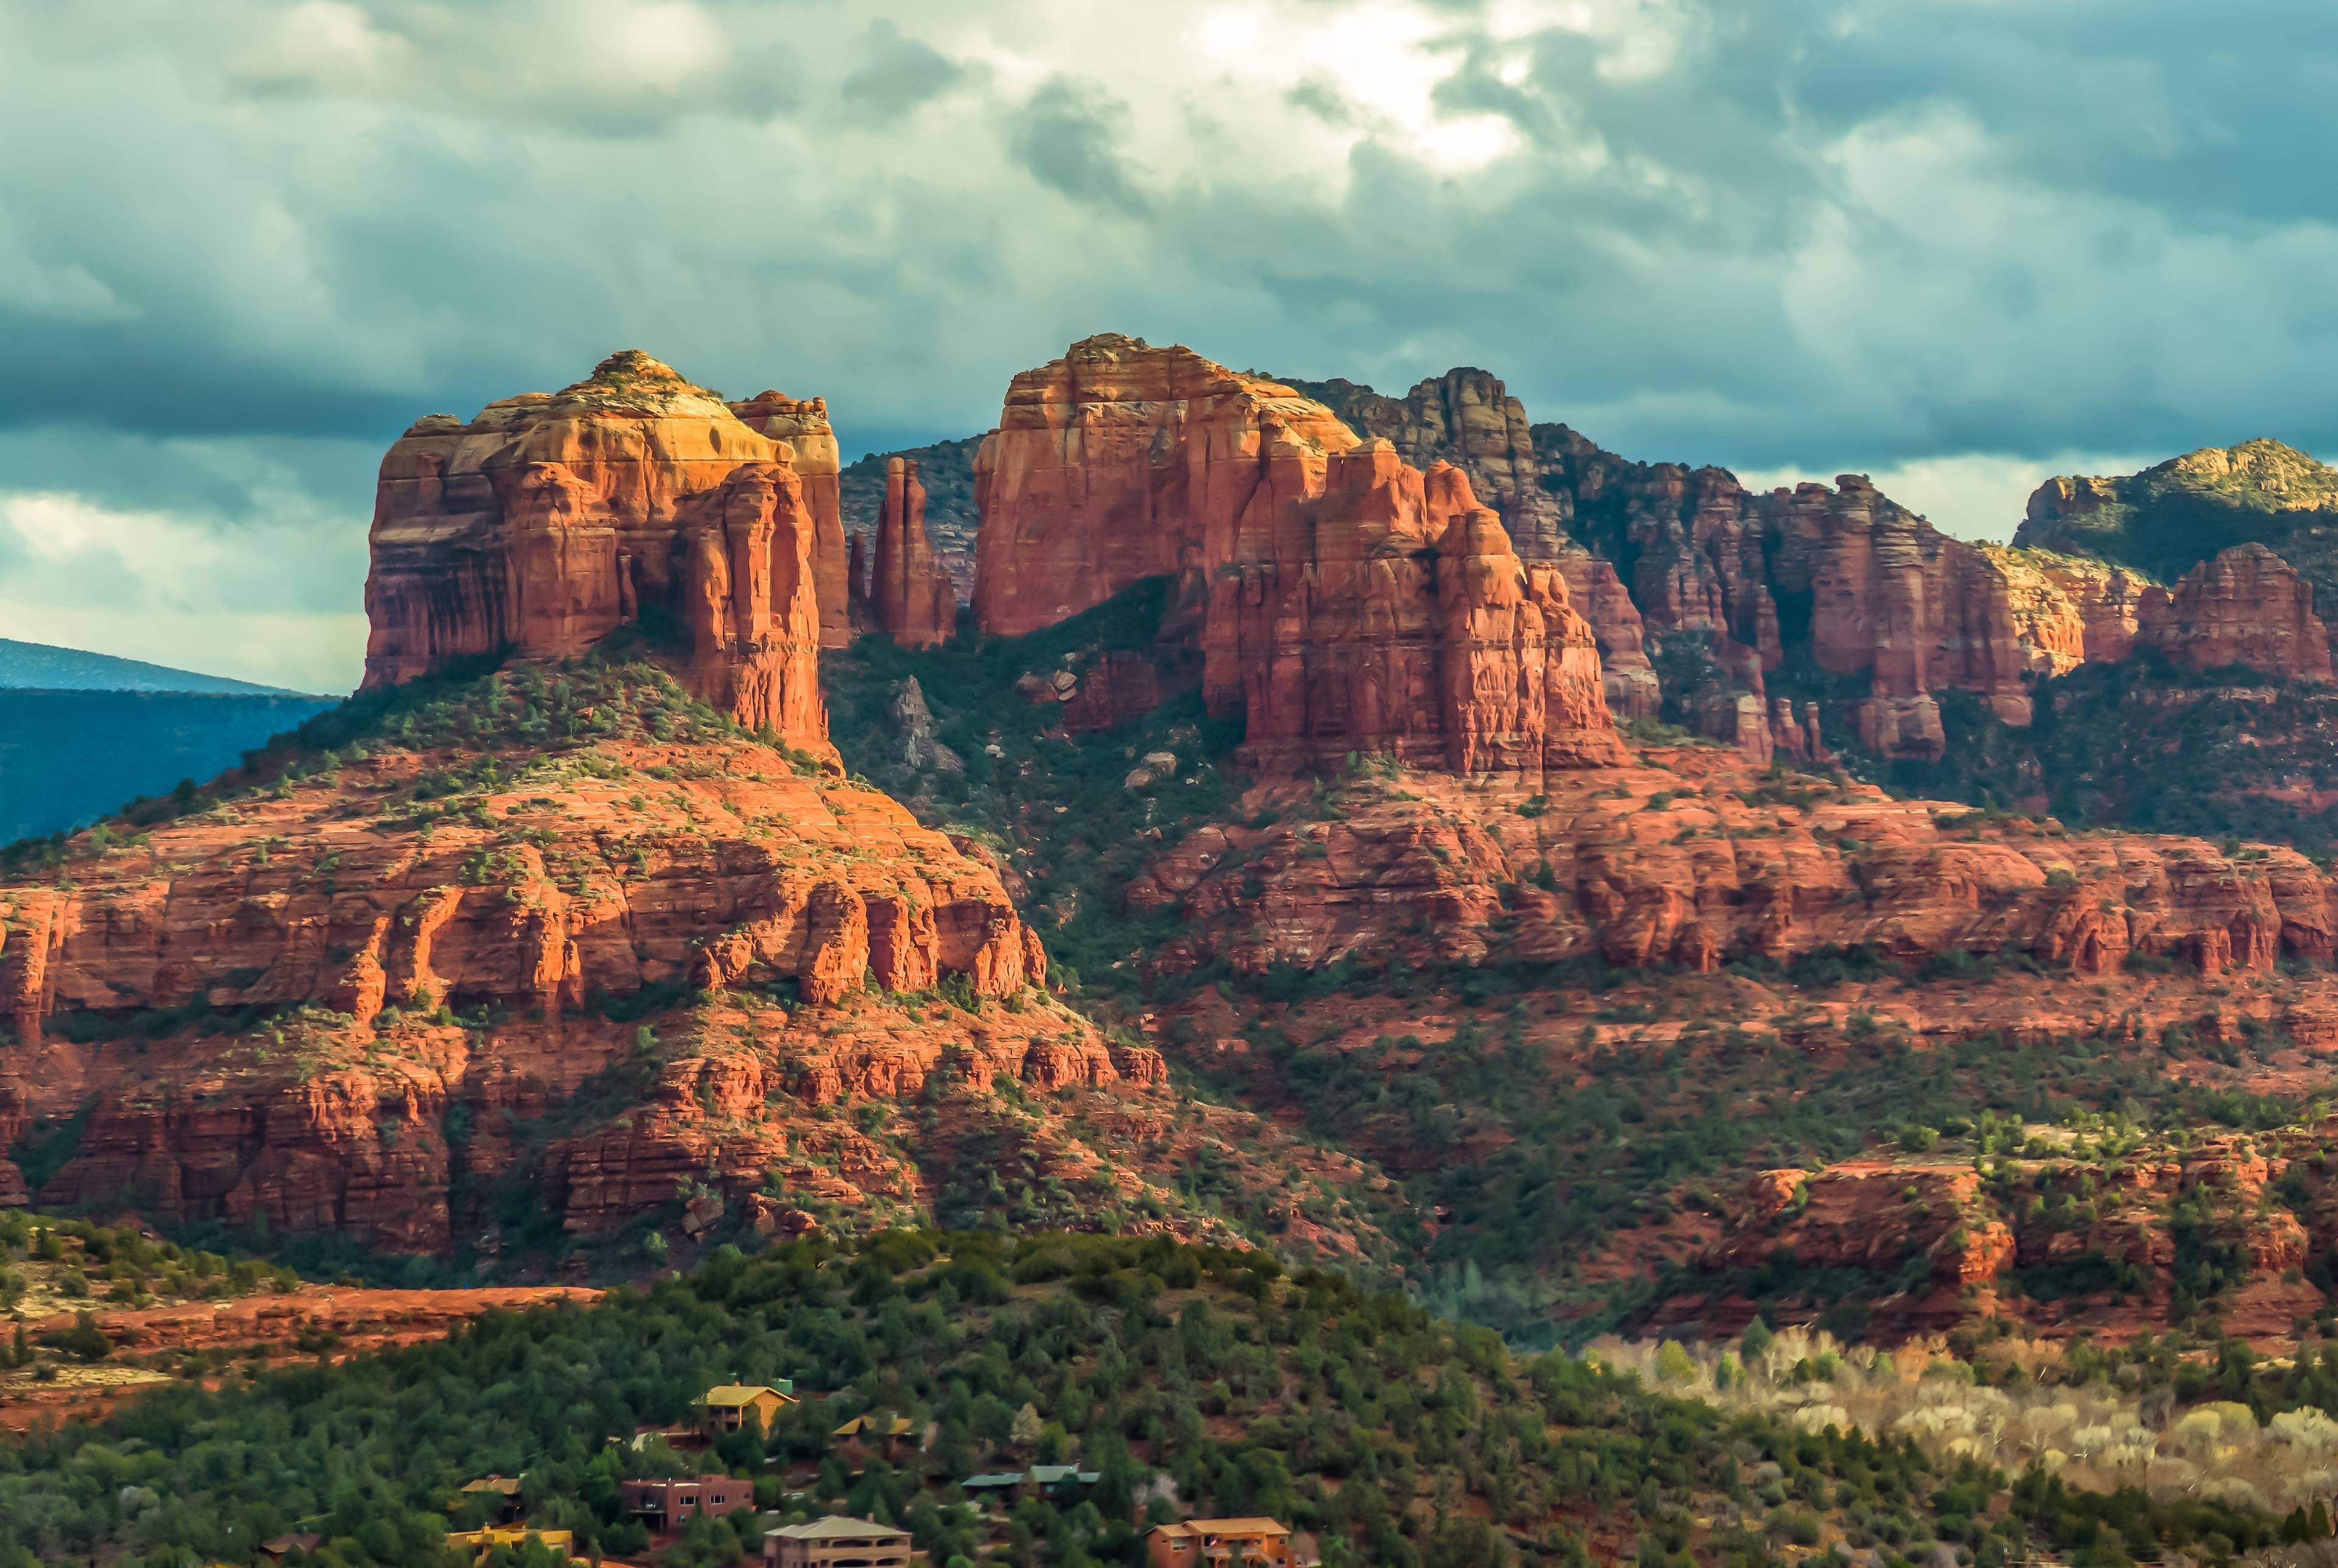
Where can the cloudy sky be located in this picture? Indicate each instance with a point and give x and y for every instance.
(1958, 244)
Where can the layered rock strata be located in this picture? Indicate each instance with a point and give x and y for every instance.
(1868, 587)
(1349, 602)
(801, 423)
(1120, 462)
(419, 953)
(551, 520)
(1468, 417)
(1389, 615)
(1696, 862)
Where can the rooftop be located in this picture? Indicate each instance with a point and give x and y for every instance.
(507, 1484)
(730, 1396)
(1052, 1475)
(1224, 1528)
(836, 1528)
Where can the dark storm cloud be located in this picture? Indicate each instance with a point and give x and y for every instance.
(1806, 232)
(897, 74)
(1067, 136)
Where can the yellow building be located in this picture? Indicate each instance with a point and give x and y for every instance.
(560, 1541)
(729, 1405)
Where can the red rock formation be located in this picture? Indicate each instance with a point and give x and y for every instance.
(1880, 1215)
(1468, 418)
(802, 424)
(914, 601)
(1121, 685)
(2246, 606)
(741, 872)
(1390, 615)
(1119, 462)
(1713, 872)
(1888, 595)
(550, 520)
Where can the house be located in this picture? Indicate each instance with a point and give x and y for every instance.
(728, 1406)
(1007, 1485)
(894, 1436)
(664, 1505)
(1057, 1480)
(283, 1546)
(1219, 1544)
(485, 1541)
(501, 1492)
(836, 1543)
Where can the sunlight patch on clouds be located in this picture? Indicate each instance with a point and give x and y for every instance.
(1379, 59)
(1974, 496)
(149, 585)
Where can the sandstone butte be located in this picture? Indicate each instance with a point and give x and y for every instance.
(604, 869)
(910, 597)
(1382, 610)
(551, 520)
(1350, 602)
(579, 837)
(1468, 418)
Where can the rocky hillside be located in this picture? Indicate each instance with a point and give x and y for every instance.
(1844, 597)
(2166, 518)
(1533, 1007)
(489, 964)
(568, 935)
(1301, 858)
(1360, 628)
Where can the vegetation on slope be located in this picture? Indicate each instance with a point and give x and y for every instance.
(2186, 509)
(1561, 1174)
(2144, 745)
(1058, 807)
(1400, 1439)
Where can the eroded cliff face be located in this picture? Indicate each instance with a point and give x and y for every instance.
(1468, 417)
(2245, 606)
(1122, 461)
(802, 424)
(553, 519)
(1389, 615)
(1348, 600)
(1867, 587)
(1947, 1247)
(1691, 861)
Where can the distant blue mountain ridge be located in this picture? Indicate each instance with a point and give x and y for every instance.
(82, 734)
(37, 667)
